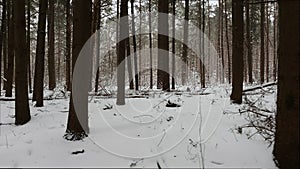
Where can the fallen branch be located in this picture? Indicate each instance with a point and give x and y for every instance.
(259, 87)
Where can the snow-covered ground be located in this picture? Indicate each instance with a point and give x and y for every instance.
(142, 133)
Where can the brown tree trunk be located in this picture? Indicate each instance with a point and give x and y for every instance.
(238, 51)
(51, 61)
(11, 52)
(22, 113)
(202, 47)
(267, 43)
(286, 147)
(262, 43)
(275, 43)
(38, 88)
(68, 45)
(163, 75)
(82, 27)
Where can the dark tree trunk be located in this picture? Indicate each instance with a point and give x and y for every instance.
(202, 46)
(150, 46)
(38, 88)
(11, 52)
(5, 41)
(173, 43)
(237, 49)
(51, 61)
(68, 45)
(249, 44)
(163, 76)
(121, 54)
(286, 147)
(96, 22)
(267, 43)
(28, 46)
(262, 43)
(184, 46)
(82, 27)
(22, 113)
(3, 27)
(136, 75)
(275, 43)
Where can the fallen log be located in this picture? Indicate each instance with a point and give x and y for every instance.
(259, 87)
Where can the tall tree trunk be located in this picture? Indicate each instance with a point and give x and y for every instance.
(275, 43)
(2, 38)
(163, 76)
(249, 44)
(22, 113)
(222, 43)
(267, 42)
(203, 45)
(129, 60)
(150, 46)
(68, 45)
(262, 43)
(11, 52)
(51, 61)
(238, 51)
(38, 88)
(28, 46)
(121, 53)
(173, 43)
(134, 47)
(5, 46)
(82, 27)
(184, 72)
(96, 26)
(227, 43)
(286, 147)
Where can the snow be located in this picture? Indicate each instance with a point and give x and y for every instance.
(139, 134)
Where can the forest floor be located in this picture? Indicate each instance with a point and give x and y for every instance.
(203, 131)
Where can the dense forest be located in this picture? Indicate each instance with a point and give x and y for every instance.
(81, 52)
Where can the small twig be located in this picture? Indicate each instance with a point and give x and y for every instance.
(162, 138)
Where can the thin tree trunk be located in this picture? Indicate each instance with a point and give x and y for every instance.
(267, 43)
(96, 24)
(227, 43)
(150, 46)
(275, 43)
(237, 49)
(173, 43)
(28, 46)
(249, 44)
(136, 75)
(51, 60)
(222, 43)
(184, 46)
(5, 46)
(68, 45)
(262, 43)
(11, 52)
(2, 38)
(22, 113)
(38, 93)
(203, 45)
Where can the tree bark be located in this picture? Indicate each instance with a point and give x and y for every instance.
(184, 72)
(22, 113)
(121, 54)
(262, 43)
(163, 75)
(249, 44)
(68, 45)
(51, 60)
(28, 46)
(286, 147)
(173, 43)
(11, 52)
(82, 27)
(136, 75)
(238, 51)
(227, 43)
(150, 45)
(38, 93)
